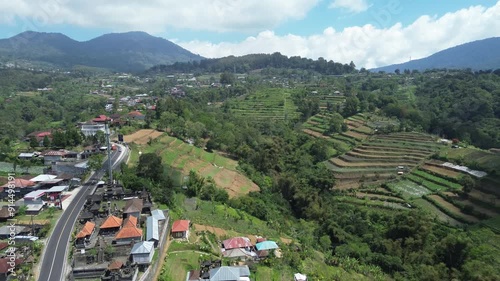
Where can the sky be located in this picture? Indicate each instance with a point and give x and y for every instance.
(371, 33)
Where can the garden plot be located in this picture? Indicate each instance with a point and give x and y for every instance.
(408, 189)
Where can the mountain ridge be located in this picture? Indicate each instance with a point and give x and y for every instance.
(132, 51)
(477, 55)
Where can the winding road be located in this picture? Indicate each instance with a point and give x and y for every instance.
(54, 258)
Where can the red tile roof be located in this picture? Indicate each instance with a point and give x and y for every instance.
(129, 232)
(135, 113)
(115, 265)
(180, 226)
(19, 183)
(5, 266)
(100, 118)
(111, 222)
(86, 230)
(130, 221)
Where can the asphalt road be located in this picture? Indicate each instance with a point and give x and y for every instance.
(54, 259)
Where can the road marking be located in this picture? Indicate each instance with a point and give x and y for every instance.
(60, 235)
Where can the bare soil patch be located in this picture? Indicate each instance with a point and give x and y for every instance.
(441, 171)
(142, 136)
(314, 133)
(234, 183)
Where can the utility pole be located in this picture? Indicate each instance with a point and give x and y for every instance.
(110, 168)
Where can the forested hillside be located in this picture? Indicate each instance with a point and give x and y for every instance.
(254, 62)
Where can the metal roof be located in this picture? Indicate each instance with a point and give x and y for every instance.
(143, 247)
(158, 214)
(43, 177)
(152, 231)
(225, 273)
(59, 188)
(35, 194)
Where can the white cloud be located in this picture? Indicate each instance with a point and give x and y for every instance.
(369, 45)
(156, 16)
(353, 6)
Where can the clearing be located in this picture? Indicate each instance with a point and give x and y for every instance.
(142, 136)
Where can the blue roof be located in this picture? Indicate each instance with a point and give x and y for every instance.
(158, 214)
(266, 245)
(152, 232)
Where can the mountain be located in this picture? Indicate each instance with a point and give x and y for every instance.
(123, 52)
(477, 55)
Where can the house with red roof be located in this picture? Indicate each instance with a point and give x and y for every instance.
(237, 242)
(39, 136)
(83, 237)
(180, 229)
(129, 232)
(101, 119)
(19, 186)
(136, 115)
(110, 226)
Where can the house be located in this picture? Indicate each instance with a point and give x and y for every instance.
(7, 231)
(27, 155)
(237, 242)
(180, 229)
(230, 273)
(129, 232)
(91, 128)
(142, 252)
(152, 230)
(21, 187)
(111, 225)
(83, 237)
(115, 266)
(133, 207)
(52, 156)
(43, 178)
(40, 136)
(101, 119)
(136, 115)
(299, 277)
(35, 197)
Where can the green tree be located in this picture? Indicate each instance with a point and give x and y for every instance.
(46, 141)
(227, 78)
(33, 142)
(150, 167)
(351, 106)
(95, 162)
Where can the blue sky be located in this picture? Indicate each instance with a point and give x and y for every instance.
(369, 32)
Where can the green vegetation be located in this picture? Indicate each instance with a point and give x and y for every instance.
(438, 180)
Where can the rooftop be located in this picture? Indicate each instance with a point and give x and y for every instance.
(112, 222)
(87, 230)
(180, 226)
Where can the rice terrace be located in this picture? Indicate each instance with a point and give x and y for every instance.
(401, 170)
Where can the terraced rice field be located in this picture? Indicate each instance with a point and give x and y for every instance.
(433, 210)
(441, 171)
(268, 105)
(378, 158)
(440, 202)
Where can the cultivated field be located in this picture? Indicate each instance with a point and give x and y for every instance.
(262, 106)
(142, 136)
(184, 158)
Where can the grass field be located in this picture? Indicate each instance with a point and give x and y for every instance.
(486, 160)
(440, 202)
(183, 158)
